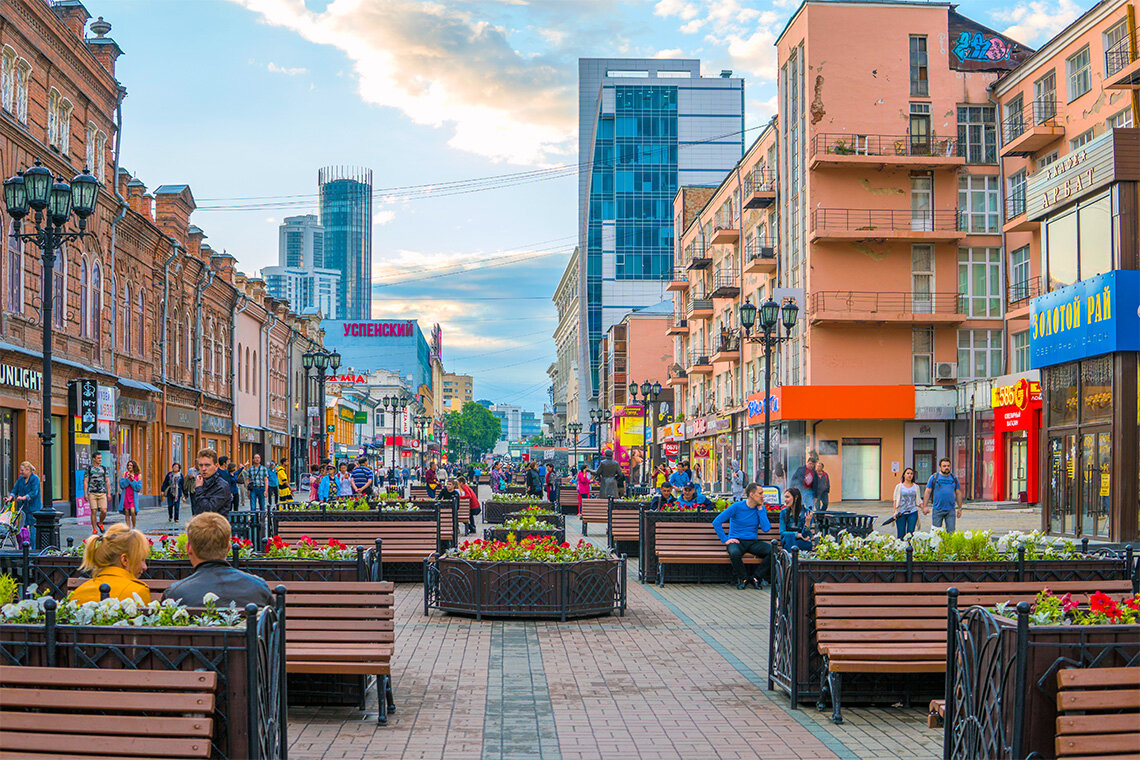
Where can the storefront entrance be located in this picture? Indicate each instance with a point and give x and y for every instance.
(862, 468)
(7, 450)
(924, 450)
(1017, 460)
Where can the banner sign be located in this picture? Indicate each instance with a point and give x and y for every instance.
(1100, 315)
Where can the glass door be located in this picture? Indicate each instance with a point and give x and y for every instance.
(922, 279)
(1017, 463)
(7, 449)
(861, 471)
(924, 452)
(922, 202)
(1096, 483)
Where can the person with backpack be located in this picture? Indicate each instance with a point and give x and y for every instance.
(943, 497)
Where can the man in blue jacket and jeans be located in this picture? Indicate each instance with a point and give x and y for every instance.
(944, 492)
(746, 518)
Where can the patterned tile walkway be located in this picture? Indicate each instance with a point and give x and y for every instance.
(681, 677)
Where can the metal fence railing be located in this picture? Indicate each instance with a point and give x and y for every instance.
(849, 144)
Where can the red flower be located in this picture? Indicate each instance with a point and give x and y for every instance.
(1103, 603)
(1067, 603)
(565, 545)
(1133, 603)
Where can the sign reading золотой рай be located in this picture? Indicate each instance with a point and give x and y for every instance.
(401, 329)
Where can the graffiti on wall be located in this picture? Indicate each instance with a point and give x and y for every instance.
(974, 47)
(979, 47)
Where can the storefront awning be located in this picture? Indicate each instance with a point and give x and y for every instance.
(139, 385)
(834, 402)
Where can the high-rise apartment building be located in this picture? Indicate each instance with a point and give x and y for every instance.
(346, 216)
(563, 372)
(646, 127)
(455, 390)
(510, 417)
(300, 277)
(301, 242)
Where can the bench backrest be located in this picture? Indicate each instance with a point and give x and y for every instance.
(595, 511)
(568, 497)
(419, 492)
(158, 714)
(328, 612)
(690, 537)
(395, 533)
(1098, 712)
(625, 524)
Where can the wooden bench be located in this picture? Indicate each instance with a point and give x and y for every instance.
(900, 628)
(90, 713)
(332, 627)
(594, 511)
(624, 524)
(403, 540)
(1098, 714)
(568, 500)
(418, 493)
(694, 543)
(937, 713)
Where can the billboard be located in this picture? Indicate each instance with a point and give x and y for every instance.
(628, 433)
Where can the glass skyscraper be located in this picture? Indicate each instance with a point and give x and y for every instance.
(645, 128)
(346, 216)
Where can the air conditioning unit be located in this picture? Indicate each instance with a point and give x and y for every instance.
(767, 252)
(945, 372)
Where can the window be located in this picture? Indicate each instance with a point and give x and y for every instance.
(140, 306)
(1020, 352)
(23, 79)
(979, 282)
(1081, 139)
(920, 129)
(84, 294)
(53, 117)
(90, 146)
(127, 319)
(241, 380)
(97, 306)
(922, 350)
(977, 134)
(1014, 117)
(1120, 120)
(980, 354)
(7, 77)
(919, 73)
(59, 288)
(1079, 72)
(1116, 35)
(1045, 98)
(1019, 275)
(15, 300)
(922, 279)
(100, 167)
(1016, 194)
(978, 203)
(921, 202)
(1047, 159)
(64, 126)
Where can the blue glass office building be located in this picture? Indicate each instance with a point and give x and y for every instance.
(346, 216)
(397, 345)
(647, 127)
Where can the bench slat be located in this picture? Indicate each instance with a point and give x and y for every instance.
(180, 680)
(1096, 724)
(133, 725)
(342, 668)
(109, 745)
(1068, 678)
(1099, 744)
(125, 701)
(1106, 699)
(1028, 587)
(879, 666)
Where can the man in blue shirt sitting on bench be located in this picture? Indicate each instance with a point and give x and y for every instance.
(746, 518)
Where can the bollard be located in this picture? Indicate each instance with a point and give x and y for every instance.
(47, 528)
(104, 591)
(70, 542)
(25, 551)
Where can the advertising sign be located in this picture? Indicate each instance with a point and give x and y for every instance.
(86, 402)
(628, 433)
(1100, 315)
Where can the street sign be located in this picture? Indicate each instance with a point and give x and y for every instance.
(86, 402)
(332, 428)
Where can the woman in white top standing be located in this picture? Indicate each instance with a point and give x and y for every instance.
(907, 497)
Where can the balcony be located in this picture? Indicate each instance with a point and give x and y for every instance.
(725, 235)
(700, 361)
(1015, 218)
(759, 190)
(1031, 129)
(677, 326)
(1020, 292)
(676, 378)
(700, 307)
(725, 285)
(873, 224)
(760, 256)
(727, 348)
(1122, 64)
(700, 259)
(679, 282)
(839, 150)
(873, 307)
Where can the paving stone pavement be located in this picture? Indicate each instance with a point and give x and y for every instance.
(681, 676)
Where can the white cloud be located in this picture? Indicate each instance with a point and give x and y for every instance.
(382, 217)
(670, 53)
(442, 66)
(286, 70)
(747, 35)
(1036, 21)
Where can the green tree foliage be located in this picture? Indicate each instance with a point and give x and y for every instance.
(472, 431)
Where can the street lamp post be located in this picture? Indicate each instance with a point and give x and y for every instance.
(322, 361)
(649, 394)
(598, 418)
(575, 428)
(419, 421)
(770, 313)
(53, 204)
(395, 404)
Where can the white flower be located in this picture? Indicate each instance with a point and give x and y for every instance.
(130, 607)
(209, 598)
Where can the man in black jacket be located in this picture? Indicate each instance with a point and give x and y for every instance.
(208, 544)
(211, 490)
(663, 499)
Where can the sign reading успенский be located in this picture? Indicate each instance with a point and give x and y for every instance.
(1100, 315)
(378, 329)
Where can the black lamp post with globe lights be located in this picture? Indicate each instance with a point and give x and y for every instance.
(771, 313)
(599, 417)
(649, 394)
(421, 421)
(394, 404)
(53, 202)
(322, 361)
(574, 428)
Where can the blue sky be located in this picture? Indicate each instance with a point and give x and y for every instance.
(246, 99)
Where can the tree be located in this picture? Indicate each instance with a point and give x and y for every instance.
(472, 431)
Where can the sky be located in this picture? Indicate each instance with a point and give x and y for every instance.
(466, 112)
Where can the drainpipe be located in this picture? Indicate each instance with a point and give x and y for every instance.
(122, 93)
(203, 283)
(241, 305)
(165, 323)
(266, 328)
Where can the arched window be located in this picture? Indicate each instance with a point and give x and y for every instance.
(84, 295)
(141, 313)
(176, 341)
(127, 318)
(97, 306)
(15, 300)
(247, 385)
(59, 289)
(241, 381)
(220, 359)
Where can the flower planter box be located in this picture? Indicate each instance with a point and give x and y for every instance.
(1002, 679)
(561, 590)
(497, 511)
(554, 521)
(249, 713)
(500, 534)
(793, 651)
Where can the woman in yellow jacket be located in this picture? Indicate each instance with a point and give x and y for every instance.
(117, 558)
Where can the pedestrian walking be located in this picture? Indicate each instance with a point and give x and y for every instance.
(823, 492)
(363, 478)
(345, 485)
(944, 494)
(431, 480)
(95, 486)
(257, 477)
(314, 481)
(583, 486)
(211, 488)
(272, 489)
(131, 484)
(173, 488)
(26, 493)
(806, 481)
(736, 481)
(906, 499)
(188, 485)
